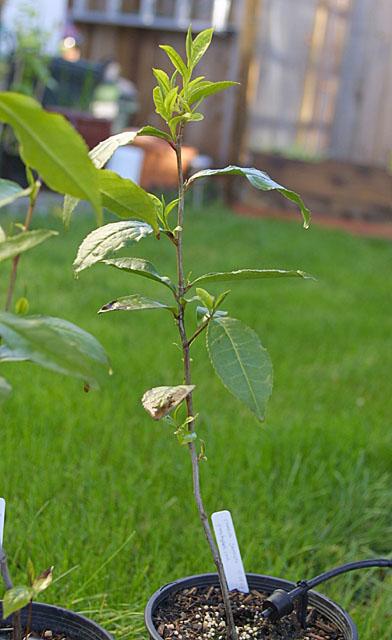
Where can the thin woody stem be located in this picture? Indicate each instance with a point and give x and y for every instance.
(5, 574)
(230, 627)
(15, 261)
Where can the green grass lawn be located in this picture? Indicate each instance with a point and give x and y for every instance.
(104, 493)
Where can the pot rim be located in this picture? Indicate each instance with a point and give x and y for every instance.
(67, 617)
(210, 578)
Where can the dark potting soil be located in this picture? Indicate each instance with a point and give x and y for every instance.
(6, 634)
(198, 614)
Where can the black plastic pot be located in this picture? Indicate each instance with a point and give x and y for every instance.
(330, 610)
(61, 621)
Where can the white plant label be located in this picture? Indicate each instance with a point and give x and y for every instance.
(2, 515)
(229, 551)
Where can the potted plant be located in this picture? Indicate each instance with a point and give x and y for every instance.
(204, 606)
(54, 153)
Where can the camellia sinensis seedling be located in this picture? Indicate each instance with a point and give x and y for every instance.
(236, 353)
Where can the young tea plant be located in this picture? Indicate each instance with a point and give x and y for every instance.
(236, 353)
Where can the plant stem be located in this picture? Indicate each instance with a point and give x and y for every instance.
(230, 626)
(15, 261)
(5, 574)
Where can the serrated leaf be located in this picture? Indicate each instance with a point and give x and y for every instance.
(249, 274)
(108, 239)
(5, 389)
(50, 145)
(43, 581)
(134, 302)
(153, 131)
(241, 362)
(23, 242)
(200, 45)
(259, 180)
(159, 401)
(126, 199)
(99, 155)
(140, 267)
(175, 59)
(207, 88)
(11, 191)
(15, 599)
(53, 343)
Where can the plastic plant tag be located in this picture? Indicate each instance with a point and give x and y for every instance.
(2, 515)
(229, 551)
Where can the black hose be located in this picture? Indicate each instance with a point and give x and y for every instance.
(281, 602)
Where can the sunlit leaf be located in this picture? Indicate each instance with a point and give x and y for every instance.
(159, 401)
(139, 267)
(54, 344)
(127, 199)
(99, 155)
(43, 581)
(259, 180)
(200, 45)
(241, 362)
(108, 239)
(249, 274)
(134, 302)
(11, 191)
(50, 145)
(22, 242)
(15, 599)
(175, 59)
(207, 88)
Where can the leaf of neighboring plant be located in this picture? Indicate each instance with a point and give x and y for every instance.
(5, 389)
(139, 267)
(241, 362)
(15, 599)
(11, 191)
(200, 45)
(43, 581)
(2, 235)
(134, 302)
(50, 145)
(156, 133)
(22, 242)
(259, 180)
(207, 88)
(249, 274)
(159, 401)
(108, 239)
(54, 344)
(30, 571)
(175, 59)
(100, 155)
(126, 199)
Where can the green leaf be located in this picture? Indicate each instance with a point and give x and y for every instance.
(175, 59)
(241, 362)
(50, 145)
(153, 131)
(134, 302)
(158, 102)
(15, 599)
(207, 88)
(200, 45)
(140, 267)
(206, 298)
(5, 389)
(100, 155)
(108, 239)
(202, 313)
(249, 274)
(3, 237)
(259, 180)
(188, 46)
(43, 581)
(23, 242)
(163, 81)
(11, 191)
(170, 102)
(54, 344)
(159, 401)
(126, 199)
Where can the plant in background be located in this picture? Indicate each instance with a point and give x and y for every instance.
(236, 353)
